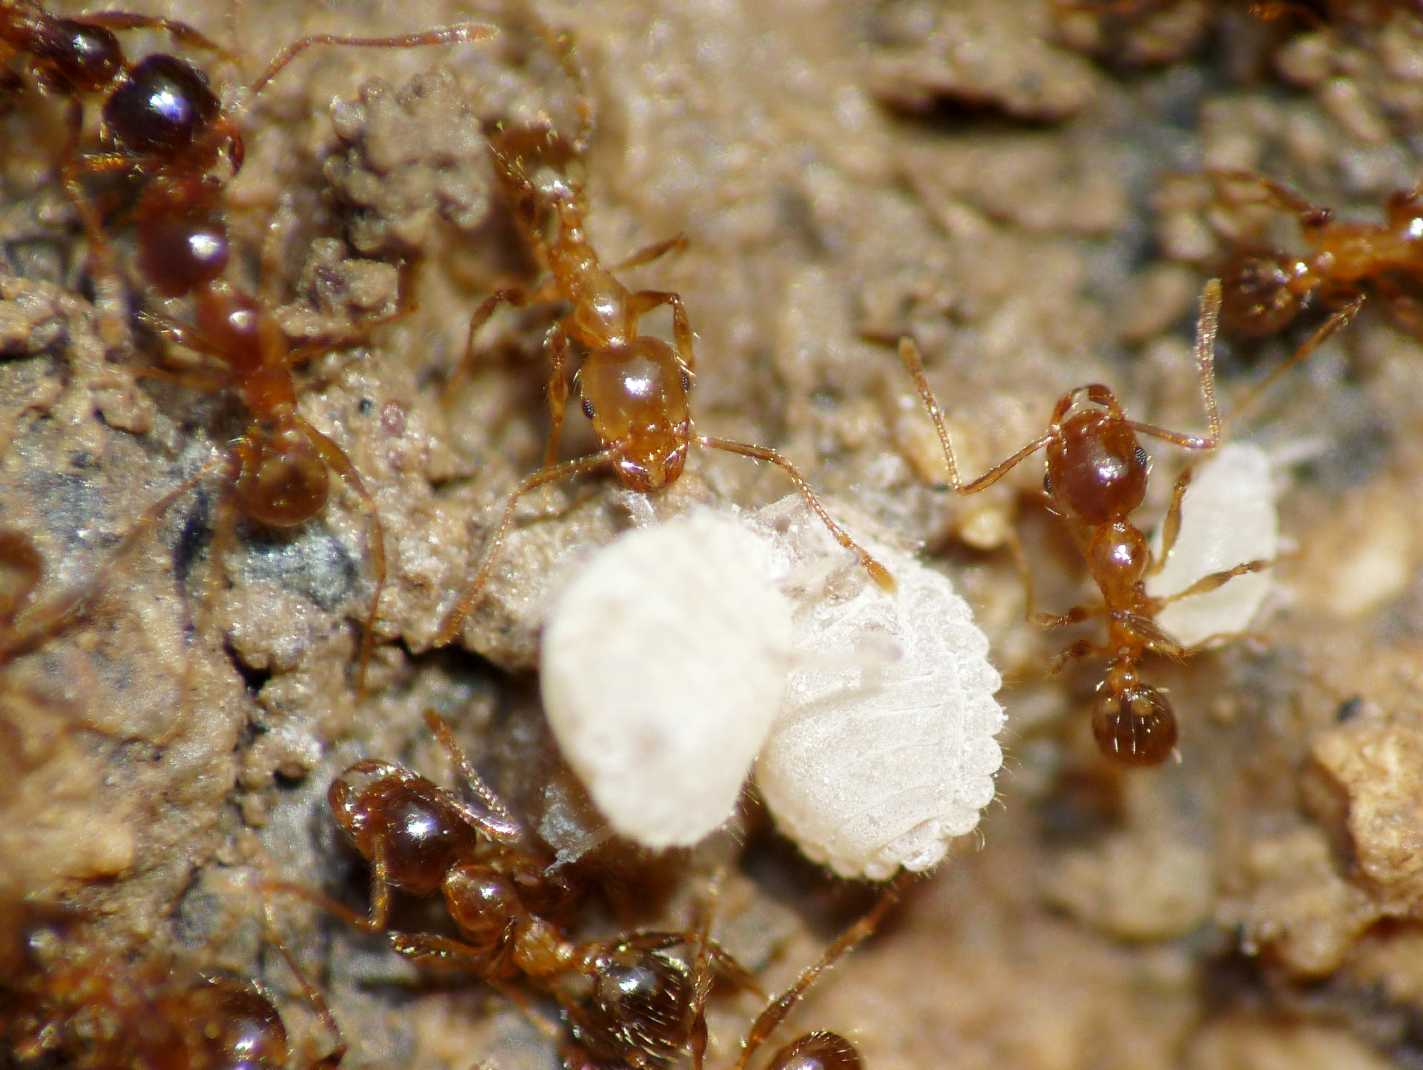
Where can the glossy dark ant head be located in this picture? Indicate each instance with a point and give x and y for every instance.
(1132, 722)
(282, 479)
(1258, 297)
(77, 56)
(638, 1006)
(164, 106)
(1096, 468)
(636, 395)
(405, 820)
(820, 1050)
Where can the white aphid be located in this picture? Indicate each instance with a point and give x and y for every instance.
(662, 667)
(1228, 517)
(668, 658)
(884, 750)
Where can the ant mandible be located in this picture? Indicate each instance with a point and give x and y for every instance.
(1266, 289)
(1096, 477)
(95, 1012)
(634, 388)
(629, 1000)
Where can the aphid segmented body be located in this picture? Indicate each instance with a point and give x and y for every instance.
(1096, 478)
(633, 387)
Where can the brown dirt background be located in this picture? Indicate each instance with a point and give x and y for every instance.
(847, 172)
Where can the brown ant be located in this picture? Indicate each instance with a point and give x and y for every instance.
(1266, 289)
(1096, 477)
(96, 1012)
(634, 388)
(627, 1001)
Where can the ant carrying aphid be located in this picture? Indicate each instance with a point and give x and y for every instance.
(1266, 288)
(93, 1011)
(1096, 477)
(625, 999)
(634, 388)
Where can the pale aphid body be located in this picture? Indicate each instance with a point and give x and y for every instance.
(1228, 517)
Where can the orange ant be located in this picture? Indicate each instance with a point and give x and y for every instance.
(627, 1001)
(1096, 477)
(1265, 289)
(634, 388)
(96, 1012)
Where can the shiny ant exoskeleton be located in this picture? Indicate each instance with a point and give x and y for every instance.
(627, 1001)
(1265, 289)
(1096, 478)
(634, 388)
(93, 1011)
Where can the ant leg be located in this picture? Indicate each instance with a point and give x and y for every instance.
(1075, 615)
(648, 253)
(374, 922)
(180, 334)
(775, 1012)
(1321, 335)
(645, 301)
(548, 474)
(1207, 323)
(507, 828)
(336, 459)
(1171, 526)
(556, 342)
(313, 996)
(180, 32)
(878, 572)
(914, 364)
(1403, 309)
(440, 35)
(1309, 216)
(516, 296)
(1213, 581)
(1083, 648)
(702, 973)
(113, 329)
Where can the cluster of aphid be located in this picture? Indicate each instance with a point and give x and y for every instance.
(636, 999)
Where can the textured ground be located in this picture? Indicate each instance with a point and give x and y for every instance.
(1002, 182)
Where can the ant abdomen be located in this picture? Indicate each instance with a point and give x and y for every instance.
(820, 1050)
(231, 1026)
(638, 1004)
(1257, 299)
(283, 481)
(1098, 469)
(163, 107)
(1134, 725)
(404, 820)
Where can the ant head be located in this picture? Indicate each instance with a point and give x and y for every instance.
(1132, 722)
(636, 395)
(21, 569)
(230, 1023)
(283, 480)
(163, 107)
(1257, 296)
(405, 818)
(638, 1004)
(820, 1050)
(81, 57)
(1096, 468)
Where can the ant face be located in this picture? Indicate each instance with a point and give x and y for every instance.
(1132, 722)
(1258, 298)
(820, 1050)
(283, 480)
(636, 395)
(401, 817)
(1096, 469)
(163, 108)
(82, 58)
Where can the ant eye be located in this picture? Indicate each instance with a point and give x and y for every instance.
(1047, 484)
(587, 408)
(686, 379)
(1142, 458)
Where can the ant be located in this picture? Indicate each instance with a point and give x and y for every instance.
(1266, 289)
(1096, 477)
(634, 388)
(627, 1001)
(95, 1011)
